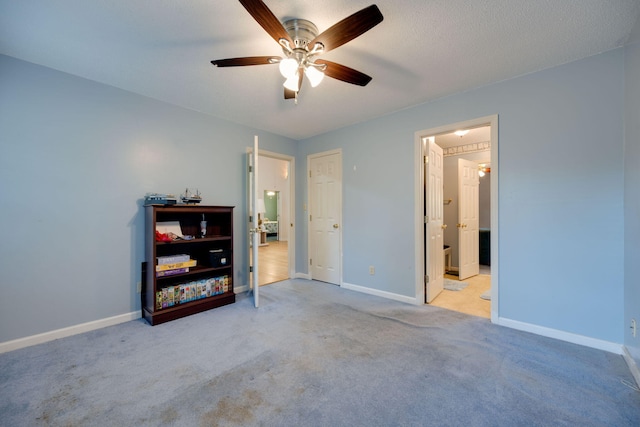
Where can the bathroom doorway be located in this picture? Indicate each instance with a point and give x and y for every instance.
(476, 145)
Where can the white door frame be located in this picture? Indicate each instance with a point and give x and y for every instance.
(310, 157)
(419, 204)
(291, 244)
(253, 219)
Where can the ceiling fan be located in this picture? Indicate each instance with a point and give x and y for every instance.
(301, 44)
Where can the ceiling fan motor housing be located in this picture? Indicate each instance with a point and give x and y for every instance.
(301, 32)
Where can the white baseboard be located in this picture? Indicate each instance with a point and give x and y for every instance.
(631, 363)
(67, 332)
(611, 347)
(378, 293)
(240, 289)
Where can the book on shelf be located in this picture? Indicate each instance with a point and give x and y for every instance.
(166, 273)
(176, 294)
(176, 265)
(172, 259)
(170, 300)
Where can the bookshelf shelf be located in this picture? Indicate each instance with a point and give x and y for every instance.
(207, 239)
(170, 288)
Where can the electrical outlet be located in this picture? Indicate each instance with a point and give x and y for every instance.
(634, 328)
(372, 270)
(139, 287)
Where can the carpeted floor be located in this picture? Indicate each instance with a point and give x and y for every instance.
(314, 354)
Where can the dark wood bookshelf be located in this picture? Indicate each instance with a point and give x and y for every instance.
(218, 237)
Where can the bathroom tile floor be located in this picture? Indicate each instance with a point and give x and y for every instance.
(467, 300)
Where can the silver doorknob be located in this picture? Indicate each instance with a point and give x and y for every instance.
(335, 226)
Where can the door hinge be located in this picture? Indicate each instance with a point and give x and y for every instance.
(426, 219)
(310, 219)
(250, 218)
(250, 168)
(250, 269)
(309, 174)
(426, 280)
(426, 159)
(310, 261)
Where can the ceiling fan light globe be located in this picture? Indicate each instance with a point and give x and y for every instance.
(288, 67)
(314, 75)
(292, 83)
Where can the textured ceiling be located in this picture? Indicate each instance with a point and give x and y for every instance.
(423, 50)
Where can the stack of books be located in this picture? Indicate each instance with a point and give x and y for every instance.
(173, 264)
(191, 291)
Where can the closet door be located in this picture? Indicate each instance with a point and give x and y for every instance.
(468, 222)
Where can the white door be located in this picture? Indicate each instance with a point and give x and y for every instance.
(434, 226)
(468, 223)
(325, 217)
(254, 234)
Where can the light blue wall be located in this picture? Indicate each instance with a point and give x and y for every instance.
(632, 197)
(560, 194)
(76, 158)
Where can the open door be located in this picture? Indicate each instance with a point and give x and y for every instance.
(468, 221)
(434, 226)
(253, 227)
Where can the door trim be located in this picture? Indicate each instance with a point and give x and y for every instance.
(310, 157)
(419, 200)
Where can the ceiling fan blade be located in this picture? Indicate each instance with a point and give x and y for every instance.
(289, 94)
(249, 60)
(344, 73)
(349, 28)
(267, 20)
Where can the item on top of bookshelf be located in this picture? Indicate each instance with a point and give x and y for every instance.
(159, 199)
(191, 197)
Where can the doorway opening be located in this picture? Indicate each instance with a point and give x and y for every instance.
(276, 190)
(468, 257)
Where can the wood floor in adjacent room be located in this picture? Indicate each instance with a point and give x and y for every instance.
(467, 300)
(273, 262)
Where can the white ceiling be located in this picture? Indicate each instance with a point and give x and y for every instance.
(423, 50)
